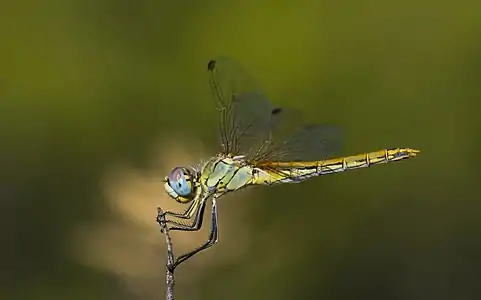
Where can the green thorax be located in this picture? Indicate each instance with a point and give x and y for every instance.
(222, 174)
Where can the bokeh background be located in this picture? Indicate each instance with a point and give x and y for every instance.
(100, 99)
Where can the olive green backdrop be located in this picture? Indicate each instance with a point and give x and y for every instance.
(88, 85)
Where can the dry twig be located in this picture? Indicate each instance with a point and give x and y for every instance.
(169, 268)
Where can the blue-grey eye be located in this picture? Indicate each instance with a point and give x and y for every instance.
(180, 181)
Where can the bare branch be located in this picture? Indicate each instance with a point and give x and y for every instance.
(169, 268)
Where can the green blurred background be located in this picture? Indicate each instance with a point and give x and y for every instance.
(94, 88)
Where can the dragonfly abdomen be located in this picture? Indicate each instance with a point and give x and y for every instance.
(287, 172)
(364, 160)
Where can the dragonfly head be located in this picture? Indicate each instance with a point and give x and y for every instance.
(180, 185)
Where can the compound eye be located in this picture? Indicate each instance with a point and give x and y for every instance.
(180, 181)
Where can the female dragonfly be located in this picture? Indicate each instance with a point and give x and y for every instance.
(262, 144)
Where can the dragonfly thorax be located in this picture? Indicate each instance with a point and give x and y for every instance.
(225, 173)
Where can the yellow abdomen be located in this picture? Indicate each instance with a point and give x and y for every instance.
(283, 172)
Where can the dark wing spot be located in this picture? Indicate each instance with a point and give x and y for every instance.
(211, 65)
(276, 111)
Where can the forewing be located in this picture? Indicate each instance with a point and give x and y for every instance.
(245, 114)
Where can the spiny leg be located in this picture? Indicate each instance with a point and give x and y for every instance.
(213, 238)
(197, 222)
(187, 214)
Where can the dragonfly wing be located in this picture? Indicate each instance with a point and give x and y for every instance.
(292, 140)
(251, 125)
(245, 113)
(294, 151)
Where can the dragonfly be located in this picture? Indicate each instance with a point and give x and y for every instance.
(261, 144)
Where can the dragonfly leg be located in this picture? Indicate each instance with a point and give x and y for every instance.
(187, 214)
(197, 222)
(213, 238)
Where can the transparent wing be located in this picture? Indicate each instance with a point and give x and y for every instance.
(245, 113)
(293, 139)
(251, 125)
